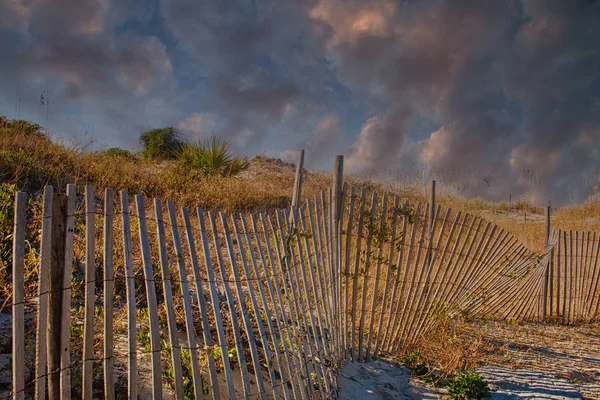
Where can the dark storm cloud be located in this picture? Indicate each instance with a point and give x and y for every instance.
(513, 84)
(512, 87)
(268, 102)
(97, 77)
(268, 67)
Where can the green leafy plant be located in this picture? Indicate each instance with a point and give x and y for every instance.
(415, 361)
(212, 157)
(186, 369)
(161, 143)
(232, 353)
(143, 339)
(467, 385)
(76, 324)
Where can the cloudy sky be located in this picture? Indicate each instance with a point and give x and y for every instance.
(489, 97)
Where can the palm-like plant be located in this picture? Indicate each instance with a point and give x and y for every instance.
(213, 157)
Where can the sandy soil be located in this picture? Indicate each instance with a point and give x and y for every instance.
(380, 379)
(531, 361)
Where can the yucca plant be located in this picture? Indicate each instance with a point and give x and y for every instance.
(213, 157)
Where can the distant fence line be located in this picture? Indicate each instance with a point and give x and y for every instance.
(270, 304)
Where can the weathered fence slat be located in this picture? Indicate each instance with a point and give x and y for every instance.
(109, 284)
(298, 180)
(345, 285)
(57, 270)
(90, 284)
(65, 340)
(565, 277)
(131, 303)
(571, 274)
(18, 298)
(558, 280)
(150, 298)
(42, 311)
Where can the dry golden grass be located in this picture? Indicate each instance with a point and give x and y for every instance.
(32, 160)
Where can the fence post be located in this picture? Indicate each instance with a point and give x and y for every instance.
(432, 201)
(57, 261)
(298, 181)
(431, 222)
(338, 176)
(546, 274)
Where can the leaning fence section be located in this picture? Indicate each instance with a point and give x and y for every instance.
(131, 298)
(407, 267)
(182, 302)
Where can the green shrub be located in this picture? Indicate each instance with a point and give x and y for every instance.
(160, 143)
(20, 126)
(118, 152)
(467, 385)
(16, 166)
(212, 157)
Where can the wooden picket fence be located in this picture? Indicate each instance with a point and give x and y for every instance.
(268, 305)
(573, 278)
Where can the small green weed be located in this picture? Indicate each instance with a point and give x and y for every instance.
(467, 385)
(186, 369)
(143, 339)
(415, 361)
